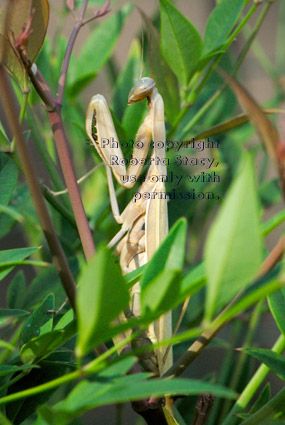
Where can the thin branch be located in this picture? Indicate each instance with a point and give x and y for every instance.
(35, 190)
(79, 24)
(71, 183)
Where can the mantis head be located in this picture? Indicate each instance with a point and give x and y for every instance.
(144, 88)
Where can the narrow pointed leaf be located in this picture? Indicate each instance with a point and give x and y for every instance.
(220, 24)
(263, 126)
(233, 246)
(276, 304)
(275, 361)
(11, 369)
(170, 254)
(102, 295)
(88, 395)
(160, 295)
(40, 322)
(166, 81)
(11, 255)
(42, 346)
(181, 43)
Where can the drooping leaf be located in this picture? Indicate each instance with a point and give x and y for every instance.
(166, 81)
(263, 126)
(102, 295)
(91, 59)
(233, 123)
(220, 23)
(181, 44)
(40, 321)
(233, 246)
(26, 20)
(13, 255)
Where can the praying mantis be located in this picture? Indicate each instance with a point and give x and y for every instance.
(144, 221)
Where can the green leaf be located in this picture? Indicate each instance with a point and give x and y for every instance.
(8, 178)
(181, 44)
(16, 291)
(42, 346)
(233, 246)
(220, 23)
(96, 51)
(276, 302)
(271, 410)
(6, 345)
(192, 282)
(269, 192)
(166, 81)
(40, 322)
(19, 410)
(272, 223)
(119, 368)
(11, 255)
(7, 312)
(102, 295)
(263, 398)
(275, 361)
(249, 299)
(160, 295)
(87, 395)
(4, 140)
(170, 254)
(10, 369)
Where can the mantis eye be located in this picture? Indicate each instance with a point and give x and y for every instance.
(141, 90)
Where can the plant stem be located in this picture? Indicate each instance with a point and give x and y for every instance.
(34, 187)
(71, 183)
(67, 56)
(253, 385)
